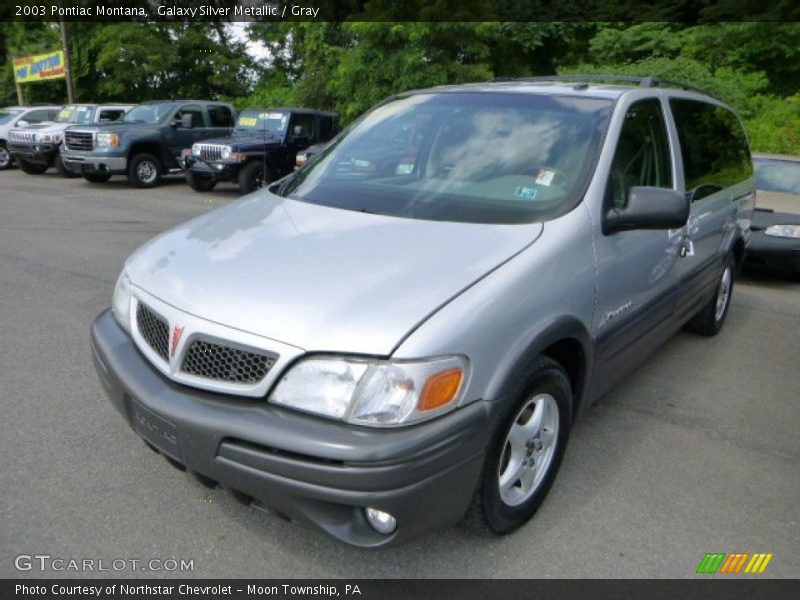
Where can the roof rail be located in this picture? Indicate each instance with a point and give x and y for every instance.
(648, 82)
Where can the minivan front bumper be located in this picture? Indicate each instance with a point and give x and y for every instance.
(308, 469)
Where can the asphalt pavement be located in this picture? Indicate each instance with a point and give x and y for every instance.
(699, 451)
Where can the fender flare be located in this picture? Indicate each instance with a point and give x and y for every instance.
(560, 329)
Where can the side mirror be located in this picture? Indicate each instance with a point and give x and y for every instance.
(22, 123)
(649, 208)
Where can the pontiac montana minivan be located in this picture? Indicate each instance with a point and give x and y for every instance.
(400, 334)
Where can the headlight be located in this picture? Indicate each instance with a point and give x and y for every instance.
(375, 393)
(48, 137)
(121, 304)
(107, 139)
(196, 149)
(226, 152)
(784, 231)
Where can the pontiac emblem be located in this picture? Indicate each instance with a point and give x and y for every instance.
(177, 332)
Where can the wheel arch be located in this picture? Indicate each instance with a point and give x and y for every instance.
(565, 340)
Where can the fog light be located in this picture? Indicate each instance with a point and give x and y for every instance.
(382, 522)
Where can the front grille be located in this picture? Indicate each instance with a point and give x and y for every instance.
(25, 137)
(154, 330)
(79, 140)
(225, 363)
(210, 152)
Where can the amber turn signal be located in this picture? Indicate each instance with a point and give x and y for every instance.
(440, 389)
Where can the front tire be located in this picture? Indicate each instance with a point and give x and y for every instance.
(5, 157)
(200, 183)
(254, 176)
(525, 452)
(144, 170)
(711, 318)
(31, 168)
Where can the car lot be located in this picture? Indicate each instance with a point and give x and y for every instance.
(697, 452)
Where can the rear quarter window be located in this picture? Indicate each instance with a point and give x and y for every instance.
(713, 145)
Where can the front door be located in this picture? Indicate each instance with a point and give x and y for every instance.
(636, 270)
(181, 137)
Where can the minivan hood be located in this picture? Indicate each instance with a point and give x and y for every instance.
(319, 278)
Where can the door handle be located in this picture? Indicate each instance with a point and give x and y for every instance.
(687, 247)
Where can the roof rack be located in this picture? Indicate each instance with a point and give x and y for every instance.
(648, 82)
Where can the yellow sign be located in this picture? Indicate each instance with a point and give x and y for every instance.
(39, 67)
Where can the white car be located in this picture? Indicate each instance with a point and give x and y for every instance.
(38, 147)
(21, 116)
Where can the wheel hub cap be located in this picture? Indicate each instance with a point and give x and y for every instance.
(528, 450)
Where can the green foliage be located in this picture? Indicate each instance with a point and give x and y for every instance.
(350, 65)
(776, 126)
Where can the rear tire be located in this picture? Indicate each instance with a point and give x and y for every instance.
(711, 318)
(31, 168)
(96, 177)
(254, 176)
(144, 170)
(5, 157)
(524, 455)
(200, 183)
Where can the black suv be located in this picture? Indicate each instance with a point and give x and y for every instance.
(146, 143)
(262, 148)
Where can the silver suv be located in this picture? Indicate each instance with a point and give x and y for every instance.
(401, 333)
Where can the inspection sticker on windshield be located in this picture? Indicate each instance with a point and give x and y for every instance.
(525, 193)
(545, 177)
(270, 115)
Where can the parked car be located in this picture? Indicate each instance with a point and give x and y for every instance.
(20, 116)
(146, 143)
(381, 349)
(776, 221)
(37, 147)
(261, 149)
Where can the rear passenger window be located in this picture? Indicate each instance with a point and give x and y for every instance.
(221, 116)
(195, 111)
(713, 145)
(642, 156)
(326, 128)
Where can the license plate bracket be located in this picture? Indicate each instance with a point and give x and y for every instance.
(155, 429)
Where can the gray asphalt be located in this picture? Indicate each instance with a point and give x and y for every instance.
(698, 452)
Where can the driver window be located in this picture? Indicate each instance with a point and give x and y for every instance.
(195, 111)
(642, 157)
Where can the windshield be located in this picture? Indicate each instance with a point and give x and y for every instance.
(6, 115)
(268, 121)
(776, 175)
(472, 157)
(75, 113)
(148, 113)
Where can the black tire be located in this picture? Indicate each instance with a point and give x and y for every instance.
(96, 177)
(31, 168)
(711, 318)
(62, 168)
(200, 183)
(5, 157)
(488, 511)
(144, 170)
(254, 176)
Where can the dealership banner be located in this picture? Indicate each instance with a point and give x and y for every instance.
(39, 67)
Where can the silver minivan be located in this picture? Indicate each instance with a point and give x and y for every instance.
(401, 334)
